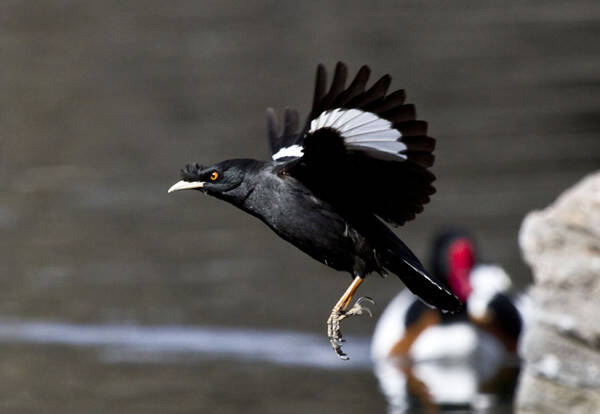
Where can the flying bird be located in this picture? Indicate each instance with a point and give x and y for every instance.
(361, 157)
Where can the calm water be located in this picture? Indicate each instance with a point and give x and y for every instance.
(115, 296)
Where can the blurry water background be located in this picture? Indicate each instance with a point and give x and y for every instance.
(108, 285)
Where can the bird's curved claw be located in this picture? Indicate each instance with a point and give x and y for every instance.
(366, 299)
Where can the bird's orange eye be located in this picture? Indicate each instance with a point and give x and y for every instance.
(214, 175)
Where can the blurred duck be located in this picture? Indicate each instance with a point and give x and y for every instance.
(431, 360)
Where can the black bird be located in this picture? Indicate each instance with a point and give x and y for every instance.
(361, 156)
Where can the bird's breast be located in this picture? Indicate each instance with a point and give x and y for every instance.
(306, 221)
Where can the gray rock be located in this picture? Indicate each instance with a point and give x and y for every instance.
(562, 345)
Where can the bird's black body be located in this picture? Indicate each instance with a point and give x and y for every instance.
(345, 238)
(309, 223)
(293, 212)
(361, 156)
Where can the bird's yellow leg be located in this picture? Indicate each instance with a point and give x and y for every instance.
(339, 312)
(344, 301)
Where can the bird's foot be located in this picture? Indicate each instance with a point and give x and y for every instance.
(335, 318)
(358, 309)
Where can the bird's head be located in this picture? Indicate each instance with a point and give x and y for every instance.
(453, 261)
(223, 180)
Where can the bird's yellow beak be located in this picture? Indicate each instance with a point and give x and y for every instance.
(186, 185)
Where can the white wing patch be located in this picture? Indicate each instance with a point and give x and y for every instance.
(363, 131)
(291, 151)
(343, 116)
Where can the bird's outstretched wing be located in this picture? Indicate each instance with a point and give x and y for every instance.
(361, 146)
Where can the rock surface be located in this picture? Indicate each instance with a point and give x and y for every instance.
(562, 345)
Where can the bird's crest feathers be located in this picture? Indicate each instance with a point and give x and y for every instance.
(191, 172)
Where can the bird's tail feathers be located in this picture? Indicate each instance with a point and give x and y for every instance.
(396, 257)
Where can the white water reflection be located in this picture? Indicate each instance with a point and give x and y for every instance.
(168, 343)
